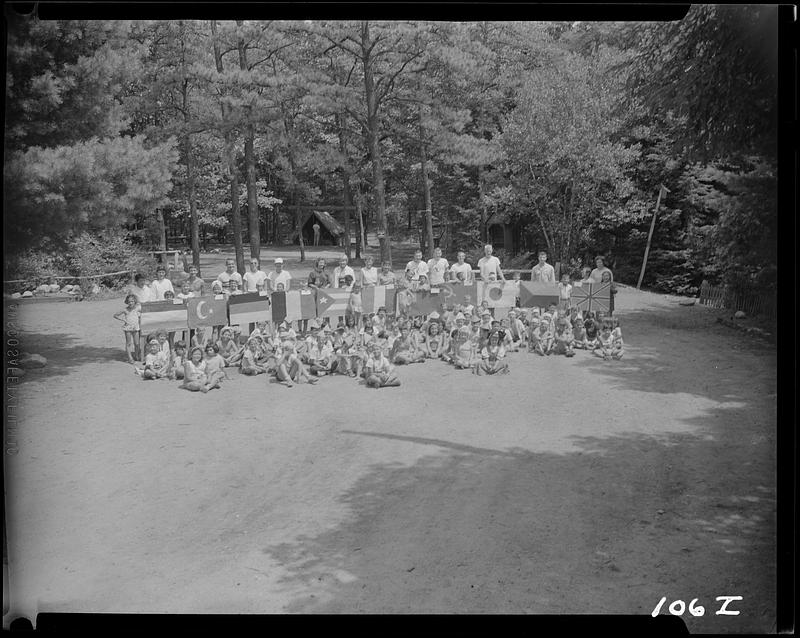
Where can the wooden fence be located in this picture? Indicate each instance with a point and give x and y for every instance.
(752, 300)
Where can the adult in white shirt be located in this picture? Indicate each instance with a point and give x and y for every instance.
(141, 289)
(369, 274)
(489, 264)
(437, 268)
(253, 279)
(417, 266)
(161, 284)
(543, 271)
(230, 274)
(462, 271)
(597, 274)
(279, 275)
(340, 272)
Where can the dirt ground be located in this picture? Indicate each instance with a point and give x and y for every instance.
(568, 486)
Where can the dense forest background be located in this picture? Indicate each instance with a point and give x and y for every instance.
(561, 133)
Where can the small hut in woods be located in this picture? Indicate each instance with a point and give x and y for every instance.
(331, 232)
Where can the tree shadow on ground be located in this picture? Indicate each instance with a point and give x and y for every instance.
(608, 529)
(678, 349)
(65, 353)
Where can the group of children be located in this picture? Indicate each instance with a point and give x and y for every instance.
(465, 336)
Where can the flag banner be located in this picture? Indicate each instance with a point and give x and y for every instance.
(537, 294)
(458, 294)
(497, 294)
(374, 297)
(206, 311)
(413, 303)
(591, 297)
(250, 307)
(162, 315)
(332, 302)
(293, 305)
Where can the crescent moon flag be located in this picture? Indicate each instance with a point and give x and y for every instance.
(293, 305)
(162, 315)
(374, 297)
(332, 302)
(206, 311)
(458, 293)
(537, 294)
(497, 295)
(248, 308)
(591, 297)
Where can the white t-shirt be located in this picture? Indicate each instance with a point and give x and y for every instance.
(417, 269)
(160, 287)
(464, 268)
(489, 265)
(253, 279)
(341, 273)
(225, 278)
(143, 294)
(545, 273)
(437, 269)
(369, 276)
(282, 277)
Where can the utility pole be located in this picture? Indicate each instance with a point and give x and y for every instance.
(663, 190)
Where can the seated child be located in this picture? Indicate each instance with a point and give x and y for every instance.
(463, 350)
(492, 355)
(618, 347)
(434, 344)
(486, 324)
(250, 364)
(228, 349)
(516, 329)
(177, 361)
(290, 369)
(563, 338)
(194, 372)
(591, 329)
(403, 350)
(578, 331)
(542, 339)
(378, 371)
(215, 366)
(156, 361)
(605, 342)
(320, 356)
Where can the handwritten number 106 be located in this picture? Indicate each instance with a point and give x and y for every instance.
(678, 607)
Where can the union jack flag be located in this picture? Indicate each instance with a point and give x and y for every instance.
(591, 297)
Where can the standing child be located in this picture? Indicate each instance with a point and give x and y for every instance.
(564, 292)
(606, 279)
(516, 281)
(130, 317)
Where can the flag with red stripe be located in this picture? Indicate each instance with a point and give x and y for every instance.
(332, 302)
(207, 311)
(250, 307)
(537, 294)
(375, 297)
(293, 305)
(169, 315)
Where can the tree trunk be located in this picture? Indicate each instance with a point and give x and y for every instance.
(298, 220)
(361, 244)
(230, 161)
(426, 191)
(346, 183)
(250, 164)
(195, 226)
(162, 229)
(483, 229)
(373, 141)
